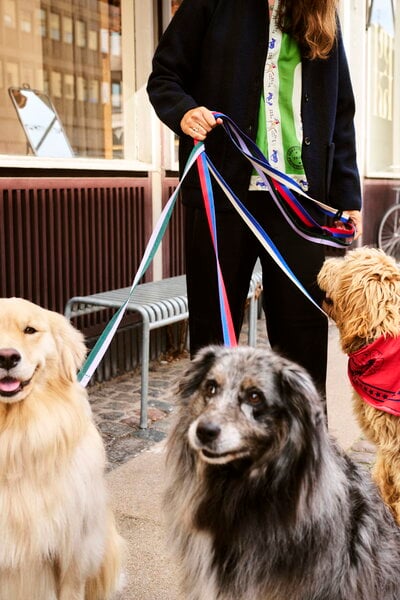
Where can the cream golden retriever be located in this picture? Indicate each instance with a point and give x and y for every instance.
(363, 298)
(58, 540)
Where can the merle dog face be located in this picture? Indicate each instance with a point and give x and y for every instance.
(261, 503)
(246, 403)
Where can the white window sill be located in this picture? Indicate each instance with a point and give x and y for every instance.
(94, 164)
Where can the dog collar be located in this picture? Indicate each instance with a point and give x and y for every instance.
(374, 372)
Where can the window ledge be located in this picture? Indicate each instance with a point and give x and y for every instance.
(382, 175)
(95, 164)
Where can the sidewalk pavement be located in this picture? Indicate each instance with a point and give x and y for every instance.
(136, 460)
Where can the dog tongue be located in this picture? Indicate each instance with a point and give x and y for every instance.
(9, 385)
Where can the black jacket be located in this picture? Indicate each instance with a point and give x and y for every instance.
(213, 54)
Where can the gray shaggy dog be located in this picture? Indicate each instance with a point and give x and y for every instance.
(261, 504)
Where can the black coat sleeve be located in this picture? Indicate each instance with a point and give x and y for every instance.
(177, 60)
(345, 189)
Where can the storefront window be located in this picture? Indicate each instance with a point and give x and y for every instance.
(383, 84)
(61, 74)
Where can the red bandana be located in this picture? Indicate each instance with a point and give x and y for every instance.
(374, 372)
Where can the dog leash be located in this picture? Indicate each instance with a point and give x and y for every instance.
(228, 330)
(280, 187)
(104, 340)
(278, 184)
(205, 166)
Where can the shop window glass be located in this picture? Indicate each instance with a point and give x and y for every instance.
(75, 59)
(42, 23)
(55, 27)
(383, 85)
(93, 40)
(80, 36)
(68, 30)
(10, 14)
(26, 21)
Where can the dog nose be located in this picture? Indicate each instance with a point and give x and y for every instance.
(207, 432)
(9, 358)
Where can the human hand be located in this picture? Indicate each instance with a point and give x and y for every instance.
(198, 122)
(355, 219)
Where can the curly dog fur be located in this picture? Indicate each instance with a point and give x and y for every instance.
(363, 298)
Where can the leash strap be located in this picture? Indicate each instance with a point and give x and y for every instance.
(280, 187)
(259, 232)
(228, 330)
(103, 342)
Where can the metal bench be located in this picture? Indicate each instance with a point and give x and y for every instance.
(159, 303)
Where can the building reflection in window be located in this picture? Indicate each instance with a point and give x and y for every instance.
(72, 52)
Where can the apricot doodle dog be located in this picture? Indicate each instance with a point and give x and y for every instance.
(57, 535)
(363, 298)
(261, 504)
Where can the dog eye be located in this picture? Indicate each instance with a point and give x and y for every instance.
(30, 330)
(254, 398)
(211, 388)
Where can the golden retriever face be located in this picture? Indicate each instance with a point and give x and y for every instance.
(36, 346)
(362, 296)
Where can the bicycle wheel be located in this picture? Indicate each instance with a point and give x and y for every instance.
(389, 232)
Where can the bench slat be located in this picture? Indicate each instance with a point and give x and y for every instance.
(159, 303)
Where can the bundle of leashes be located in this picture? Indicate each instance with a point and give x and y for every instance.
(281, 188)
(284, 191)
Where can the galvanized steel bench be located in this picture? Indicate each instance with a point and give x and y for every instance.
(159, 303)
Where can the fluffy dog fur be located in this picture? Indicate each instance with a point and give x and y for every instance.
(57, 535)
(363, 298)
(261, 504)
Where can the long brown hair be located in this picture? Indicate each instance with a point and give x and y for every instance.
(312, 23)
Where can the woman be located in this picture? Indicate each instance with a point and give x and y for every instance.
(279, 70)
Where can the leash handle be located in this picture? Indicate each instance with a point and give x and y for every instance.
(280, 185)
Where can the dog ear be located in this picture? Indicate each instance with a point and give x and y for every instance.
(299, 392)
(328, 272)
(370, 303)
(197, 371)
(295, 467)
(70, 345)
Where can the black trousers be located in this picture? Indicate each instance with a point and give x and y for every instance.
(295, 327)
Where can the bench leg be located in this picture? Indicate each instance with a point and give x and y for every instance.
(145, 373)
(253, 310)
(68, 310)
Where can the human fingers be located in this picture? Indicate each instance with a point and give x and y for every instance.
(355, 217)
(198, 122)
